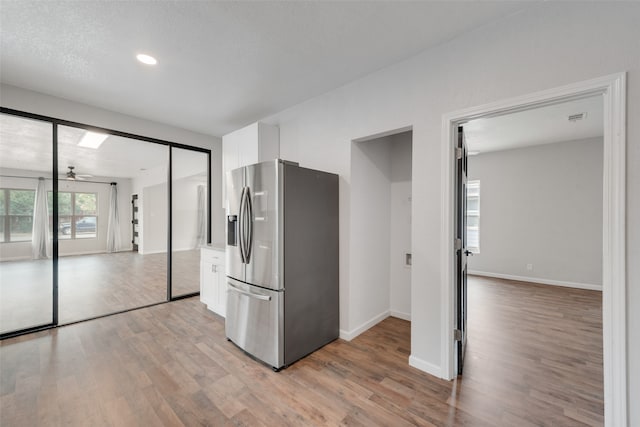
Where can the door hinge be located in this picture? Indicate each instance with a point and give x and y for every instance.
(457, 334)
(458, 153)
(458, 244)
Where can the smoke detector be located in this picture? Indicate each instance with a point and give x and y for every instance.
(577, 117)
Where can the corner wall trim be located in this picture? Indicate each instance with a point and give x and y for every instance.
(349, 335)
(541, 281)
(400, 315)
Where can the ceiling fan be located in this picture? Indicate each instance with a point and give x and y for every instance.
(72, 176)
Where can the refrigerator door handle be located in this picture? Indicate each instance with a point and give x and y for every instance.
(233, 288)
(241, 222)
(249, 219)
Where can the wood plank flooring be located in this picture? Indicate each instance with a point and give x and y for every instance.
(532, 362)
(534, 354)
(90, 285)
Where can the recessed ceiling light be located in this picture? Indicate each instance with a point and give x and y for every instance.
(92, 139)
(146, 59)
(473, 153)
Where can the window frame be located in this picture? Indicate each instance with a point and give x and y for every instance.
(473, 213)
(74, 217)
(8, 215)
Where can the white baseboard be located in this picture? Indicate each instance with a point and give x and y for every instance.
(81, 253)
(17, 258)
(62, 255)
(152, 252)
(538, 280)
(400, 315)
(165, 251)
(187, 248)
(349, 335)
(425, 366)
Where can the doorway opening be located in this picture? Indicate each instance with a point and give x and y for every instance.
(612, 91)
(381, 228)
(533, 240)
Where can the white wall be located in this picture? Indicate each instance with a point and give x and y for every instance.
(549, 45)
(157, 178)
(541, 205)
(185, 213)
(370, 234)
(153, 199)
(34, 102)
(188, 171)
(22, 250)
(400, 181)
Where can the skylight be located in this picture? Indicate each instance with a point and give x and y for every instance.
(92, 140)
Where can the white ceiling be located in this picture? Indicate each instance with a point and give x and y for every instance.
(27, 145)
(544, 125)
(221, 65)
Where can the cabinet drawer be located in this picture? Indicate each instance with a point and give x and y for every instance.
(212, 256)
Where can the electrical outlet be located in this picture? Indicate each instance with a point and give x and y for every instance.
(529, 267)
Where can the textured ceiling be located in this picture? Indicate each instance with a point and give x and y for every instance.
(221, 65)
(27, 145)
(537, 126)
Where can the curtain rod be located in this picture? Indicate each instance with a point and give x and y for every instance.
(60, 179)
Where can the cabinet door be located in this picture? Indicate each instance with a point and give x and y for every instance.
(248, 150)
(215, 285)
(252, 144)
(211, 271)
(221, 287)
(230, 161)
(207, 290)
(203, 281)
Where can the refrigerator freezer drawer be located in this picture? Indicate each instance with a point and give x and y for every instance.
(254, 321)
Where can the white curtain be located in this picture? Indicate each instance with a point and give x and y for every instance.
(202, 216)
(113, 226)
(40, 231)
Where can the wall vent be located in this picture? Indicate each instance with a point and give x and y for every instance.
(576, 117)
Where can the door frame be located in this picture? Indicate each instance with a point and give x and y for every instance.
(613, 91)
(461, 256)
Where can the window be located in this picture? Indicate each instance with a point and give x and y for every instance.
(77, 215)
(16, 214)
(473, 216)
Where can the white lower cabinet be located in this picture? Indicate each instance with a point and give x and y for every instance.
(213, 283)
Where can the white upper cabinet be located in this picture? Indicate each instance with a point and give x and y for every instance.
(252, 144)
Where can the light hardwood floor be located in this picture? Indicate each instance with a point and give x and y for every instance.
(535, 354)
(90, 285)
(534, 358)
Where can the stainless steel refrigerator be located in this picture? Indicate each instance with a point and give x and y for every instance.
(282, 260)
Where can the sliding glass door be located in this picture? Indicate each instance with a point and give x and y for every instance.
(189, 214)
(99, 273)
(95, 221)
(26, 262)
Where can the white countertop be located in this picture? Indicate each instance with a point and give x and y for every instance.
(213, 247)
